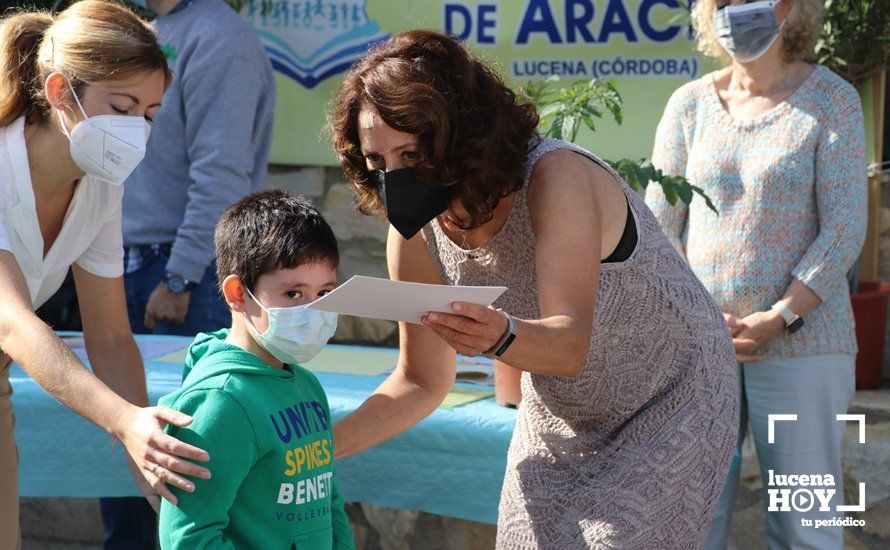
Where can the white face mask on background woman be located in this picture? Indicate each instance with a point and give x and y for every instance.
(295, 334)
(107, 147)
(747, 31)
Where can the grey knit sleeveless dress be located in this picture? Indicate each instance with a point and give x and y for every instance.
(633, 452)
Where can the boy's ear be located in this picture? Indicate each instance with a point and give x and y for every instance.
(234, 294)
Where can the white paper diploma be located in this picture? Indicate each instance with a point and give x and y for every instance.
(398, 300)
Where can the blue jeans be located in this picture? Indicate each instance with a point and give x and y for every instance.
(207, 310)
(130, 523)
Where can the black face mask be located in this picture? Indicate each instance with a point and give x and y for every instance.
(410, 203)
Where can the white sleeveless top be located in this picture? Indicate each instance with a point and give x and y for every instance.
(91, 231)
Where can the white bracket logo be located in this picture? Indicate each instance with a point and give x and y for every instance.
(860, 418)
(772, 418)
(771, 424)
(855, 418)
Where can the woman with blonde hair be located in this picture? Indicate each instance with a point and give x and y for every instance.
(77, 95)
(778, 144)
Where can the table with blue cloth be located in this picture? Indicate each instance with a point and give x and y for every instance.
(452, 463)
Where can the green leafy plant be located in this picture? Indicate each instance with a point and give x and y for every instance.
(855, 39)
(564, 109)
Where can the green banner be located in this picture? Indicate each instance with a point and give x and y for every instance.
(643, 45)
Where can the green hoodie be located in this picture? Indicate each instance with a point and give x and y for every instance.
(269, 435)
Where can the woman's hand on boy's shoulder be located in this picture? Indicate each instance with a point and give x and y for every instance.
(157, 454)
(150, 494)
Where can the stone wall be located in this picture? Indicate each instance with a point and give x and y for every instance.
(74, 523)
(362, 241)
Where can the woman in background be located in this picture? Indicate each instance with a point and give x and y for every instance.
(778, 145)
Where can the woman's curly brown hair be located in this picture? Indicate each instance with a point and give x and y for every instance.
(472, 134)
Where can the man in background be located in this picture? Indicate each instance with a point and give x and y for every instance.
(209, 147)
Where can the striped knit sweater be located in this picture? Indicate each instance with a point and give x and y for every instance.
(790, 187)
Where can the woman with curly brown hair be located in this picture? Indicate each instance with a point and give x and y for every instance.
(629, 392)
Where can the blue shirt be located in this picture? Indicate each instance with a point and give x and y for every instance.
(210, 140)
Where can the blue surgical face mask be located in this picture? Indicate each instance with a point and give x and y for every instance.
(747, 31)
(295, 334)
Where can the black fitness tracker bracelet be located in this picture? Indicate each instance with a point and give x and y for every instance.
(500, 347)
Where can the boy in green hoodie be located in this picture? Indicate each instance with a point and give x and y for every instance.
(263, 419)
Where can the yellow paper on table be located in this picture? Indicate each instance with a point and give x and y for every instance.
(178, 356)
(354, 360)
(459, 396)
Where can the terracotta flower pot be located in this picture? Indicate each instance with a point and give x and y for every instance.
(870, 312)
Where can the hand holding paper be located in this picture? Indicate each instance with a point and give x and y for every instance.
(399, 300)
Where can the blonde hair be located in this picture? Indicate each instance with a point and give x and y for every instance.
(799, 34)
(91, 41)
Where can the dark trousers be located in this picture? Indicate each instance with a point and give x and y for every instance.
(207, 311)
(130, 523)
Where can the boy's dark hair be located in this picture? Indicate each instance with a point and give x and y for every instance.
(268, 231)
